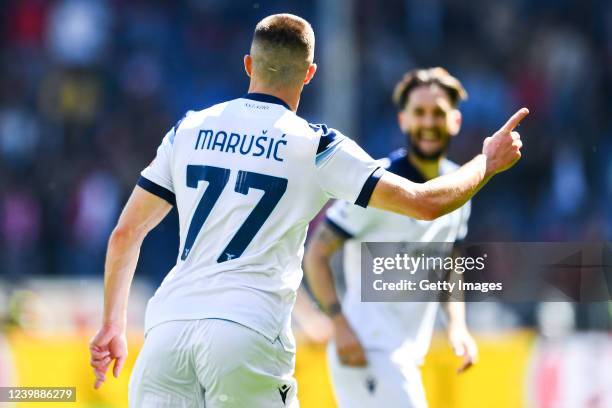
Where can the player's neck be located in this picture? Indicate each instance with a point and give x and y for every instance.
(428, 168)
(290, 96)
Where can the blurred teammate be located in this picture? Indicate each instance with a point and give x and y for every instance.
(247, 176)
(378, 346)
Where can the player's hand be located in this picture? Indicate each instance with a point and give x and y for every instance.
(463, 345)
(503, 149)
(315, 327)
(108, 345)
(350, 351)
(309, 323)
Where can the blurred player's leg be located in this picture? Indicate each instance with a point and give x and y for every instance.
(384, 382)
(238, 367)
(164, 374)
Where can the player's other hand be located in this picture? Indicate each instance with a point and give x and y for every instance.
(350, 351)
(108, 345)
(503, 149)
(464, 346)
(314, 327)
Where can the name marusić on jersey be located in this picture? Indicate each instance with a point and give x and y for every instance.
(229, 142)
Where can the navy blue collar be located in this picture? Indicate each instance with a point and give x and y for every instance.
(261, 97)
(401, 165)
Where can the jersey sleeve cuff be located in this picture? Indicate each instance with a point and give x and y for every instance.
(337, 228)
(157, 190)
(368, 187)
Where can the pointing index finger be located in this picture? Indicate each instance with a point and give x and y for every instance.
(515, 119)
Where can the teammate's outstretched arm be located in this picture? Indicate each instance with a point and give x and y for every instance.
(446, 193)
(141, 214)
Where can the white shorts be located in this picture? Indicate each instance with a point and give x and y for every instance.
(211, 363)
(385, 382)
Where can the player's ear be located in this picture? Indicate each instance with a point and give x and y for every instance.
(454, 122)
(312, 68)
(248, 65)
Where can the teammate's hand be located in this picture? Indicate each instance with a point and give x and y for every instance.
(463, 345)
(350, 351)
(107, 345)
(309, 323)
(503, 149)
(314, 327)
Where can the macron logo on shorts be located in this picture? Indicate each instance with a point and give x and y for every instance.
(283, 392)
(371, 384)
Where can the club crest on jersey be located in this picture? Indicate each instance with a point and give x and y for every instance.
(229, 142)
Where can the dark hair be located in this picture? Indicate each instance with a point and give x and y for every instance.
(438, 76)
(286, 31)
(282, 48)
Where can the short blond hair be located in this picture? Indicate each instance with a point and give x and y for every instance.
(428, 76)
(282, 49)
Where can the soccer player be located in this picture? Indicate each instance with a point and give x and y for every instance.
(378, 346)
(246, 176)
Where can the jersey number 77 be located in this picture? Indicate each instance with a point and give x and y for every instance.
(217, 177)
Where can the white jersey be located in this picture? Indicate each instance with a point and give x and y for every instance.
(400, 325)
(247, 177)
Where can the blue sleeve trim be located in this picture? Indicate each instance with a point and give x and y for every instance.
(157, 190)
(327, 136)
(172, 135)
(368, 187)
(175, 128)
(338, 229)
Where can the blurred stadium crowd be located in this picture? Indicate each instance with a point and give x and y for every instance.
(89, 88)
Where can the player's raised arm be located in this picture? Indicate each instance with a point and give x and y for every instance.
(446, 193)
